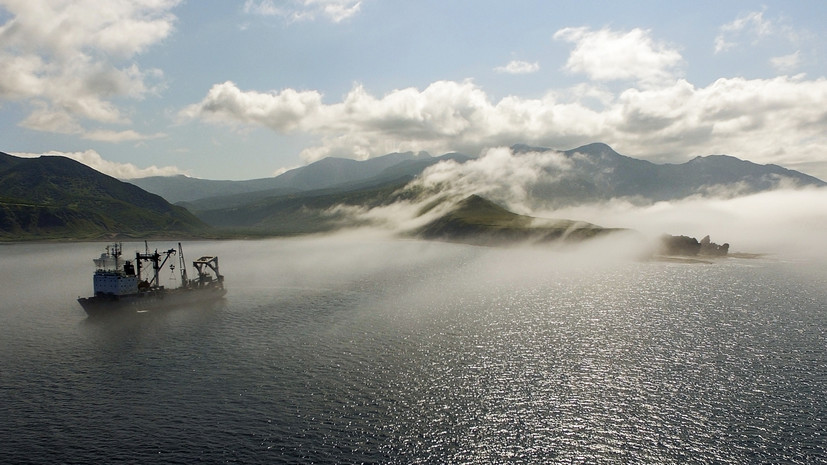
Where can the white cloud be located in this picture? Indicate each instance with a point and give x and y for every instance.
(281, 111)
(499, 175)
(94, 160)
(119, 136)
(518, 67)
(778, 120)
(608, 55)
(305, 10)
(786, 63)
(753, 27)
(791, 222)
(60, 121)
(70, 65)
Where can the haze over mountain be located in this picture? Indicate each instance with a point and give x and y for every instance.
(326, 173)
(523, 179)
(595, 172)
(55, 197)
(590, 173)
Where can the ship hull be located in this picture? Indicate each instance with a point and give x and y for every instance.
(111, 304)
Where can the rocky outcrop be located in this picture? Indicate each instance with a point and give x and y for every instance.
(691, 247)
(713, 249)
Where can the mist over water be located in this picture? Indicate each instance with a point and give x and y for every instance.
(359, 348)
(786, 221)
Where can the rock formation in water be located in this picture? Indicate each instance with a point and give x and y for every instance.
(711, 248)
(689, 246)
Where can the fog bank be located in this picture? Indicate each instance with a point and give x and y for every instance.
(787, 222)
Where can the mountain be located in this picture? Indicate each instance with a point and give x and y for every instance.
(55, 197)
(595, 172)
(330, 172)
(477, 220)
(370, 178)
(186, 189)
(592, 173)
(302, 213)
(327, 173)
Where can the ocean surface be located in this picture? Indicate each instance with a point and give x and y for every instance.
(365, 350)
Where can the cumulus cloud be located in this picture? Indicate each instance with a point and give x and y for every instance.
(70, 65)
(305, 10)
(607, 55)
(281, 111)
(518, 67)
(95, 161)
(777, 120)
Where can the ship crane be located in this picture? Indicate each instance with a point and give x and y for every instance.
(157, 264)
(183, 263)
(203, 276)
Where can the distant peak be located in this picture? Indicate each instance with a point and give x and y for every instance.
(480, 206)
(474, 199)
(596, 150)
(598, 145)
(595, 147)
(717, 158)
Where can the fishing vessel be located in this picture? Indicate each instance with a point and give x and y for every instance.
(122, 284)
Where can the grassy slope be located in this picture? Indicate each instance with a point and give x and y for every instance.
(478, 221)
(300, 213)
(58, 198)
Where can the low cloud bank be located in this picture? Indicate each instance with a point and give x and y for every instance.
(786, 221)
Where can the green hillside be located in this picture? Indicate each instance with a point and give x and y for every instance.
(476, 220)
(59, 198)
(305, 213)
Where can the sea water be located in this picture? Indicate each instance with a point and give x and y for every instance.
(363, 350)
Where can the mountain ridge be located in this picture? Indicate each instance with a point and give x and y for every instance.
(326, 173)
(598, 173)
(308, 199)
(56, 197)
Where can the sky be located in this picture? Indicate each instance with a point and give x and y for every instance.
(249, 89)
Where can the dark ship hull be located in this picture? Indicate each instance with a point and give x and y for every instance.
(162, 298)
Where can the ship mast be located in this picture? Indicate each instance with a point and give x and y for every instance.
(157, 264)
(183, 264)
